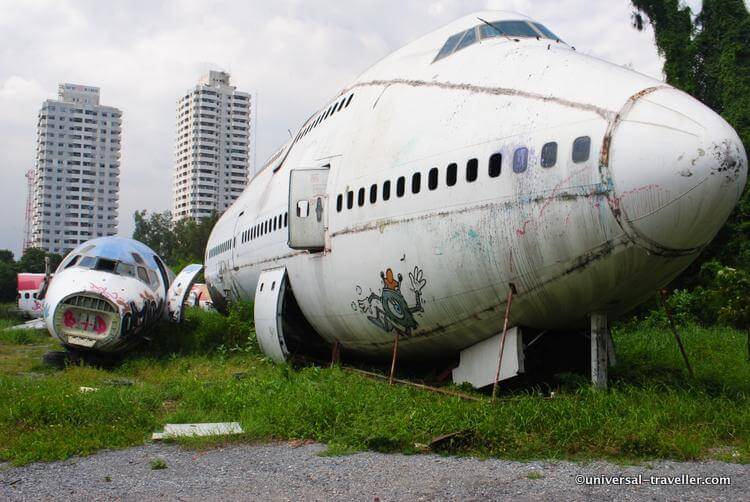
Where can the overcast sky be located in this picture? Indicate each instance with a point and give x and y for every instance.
(294, 54)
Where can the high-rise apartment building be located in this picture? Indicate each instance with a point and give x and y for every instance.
(76, 179)
(212, 148)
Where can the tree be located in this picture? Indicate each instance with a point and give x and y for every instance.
(179, 243)
(6, 256)
(8, 283)
(155, 231)
(32, 261)
(191, 239)
(709, 57)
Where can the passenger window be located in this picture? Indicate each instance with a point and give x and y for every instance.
(373, 194)
(520, 159)
(386, 190)
(274, 223)
(451, 175)
(432, 180)
(496, 161)
(361, 197)
(26, 295)
(581, 149)
(549, 154)
(472, 169)
(339, 203)
(400, 186)
(349, 100)
(303, 209)
(286, 220)
(469, 38)
(416, 181)
(349, 199)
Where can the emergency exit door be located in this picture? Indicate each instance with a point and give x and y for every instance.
(308, 208)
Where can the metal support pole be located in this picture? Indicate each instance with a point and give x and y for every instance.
(511, 291)
(599, 349)
(677, 337)
(393, 361)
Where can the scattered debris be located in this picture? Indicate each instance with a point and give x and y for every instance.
(32, 324)
(192, 430)
(85, 390)
(120, 382)
(453, 440)
(296, 443)
(33, 375)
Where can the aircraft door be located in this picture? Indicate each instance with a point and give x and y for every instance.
(269, 302)
(237, 242)
(308, 208)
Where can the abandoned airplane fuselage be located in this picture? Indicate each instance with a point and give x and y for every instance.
(109, 293)
(478, 156)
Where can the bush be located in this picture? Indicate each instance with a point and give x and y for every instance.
(723, 298)
(205, 332)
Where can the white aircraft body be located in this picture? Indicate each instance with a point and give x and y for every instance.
(109, 293)
(28, 287)
(484, 154)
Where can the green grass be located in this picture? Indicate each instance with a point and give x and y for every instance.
(652, 409)
(157, 464)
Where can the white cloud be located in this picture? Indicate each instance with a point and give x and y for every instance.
(295, 55)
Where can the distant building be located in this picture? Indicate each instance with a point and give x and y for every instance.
(76, 179)
(212, 148)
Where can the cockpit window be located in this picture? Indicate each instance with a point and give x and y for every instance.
(106, 265)
(516, 28)
(513, 29)
(449, 45)
(73, 261)
(125, 270)
(143, 275)
(87, 262)
(469, 38)
(544, 31)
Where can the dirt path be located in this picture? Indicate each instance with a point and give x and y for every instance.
(283, 472)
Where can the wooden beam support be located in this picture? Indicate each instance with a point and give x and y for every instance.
(599, 349)
(677, 337)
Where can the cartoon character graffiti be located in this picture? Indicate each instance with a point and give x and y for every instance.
(389, 310)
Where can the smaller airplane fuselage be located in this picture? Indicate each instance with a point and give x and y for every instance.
(107, 294)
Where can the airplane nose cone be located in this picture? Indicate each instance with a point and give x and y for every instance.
(677, 168)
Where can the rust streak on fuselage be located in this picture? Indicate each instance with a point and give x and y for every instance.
(493, 91)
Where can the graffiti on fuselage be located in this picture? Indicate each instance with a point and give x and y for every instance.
(135, 320)
(389, 310)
